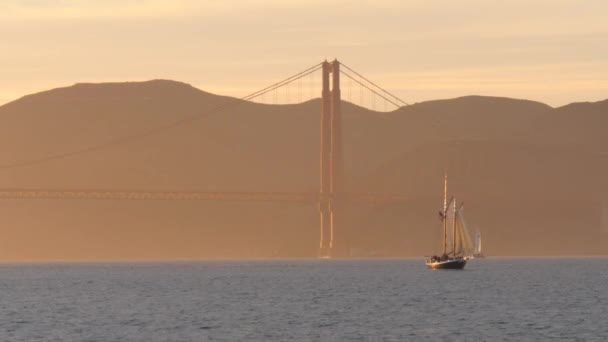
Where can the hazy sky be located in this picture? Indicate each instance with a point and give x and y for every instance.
(554, 51)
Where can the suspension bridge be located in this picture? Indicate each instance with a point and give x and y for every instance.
(332, 195)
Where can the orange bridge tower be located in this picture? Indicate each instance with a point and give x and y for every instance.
(331, 159)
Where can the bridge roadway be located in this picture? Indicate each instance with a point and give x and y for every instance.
(92, 194)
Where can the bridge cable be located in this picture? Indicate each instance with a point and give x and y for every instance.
(374, 84)
(169, 126)
(370, 89)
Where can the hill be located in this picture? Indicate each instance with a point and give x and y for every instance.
(525, 170)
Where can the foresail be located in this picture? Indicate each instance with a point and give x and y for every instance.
(464, 243)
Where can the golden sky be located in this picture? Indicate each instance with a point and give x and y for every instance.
(554, 51)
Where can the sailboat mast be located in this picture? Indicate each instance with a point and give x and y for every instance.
(454, 227)
(445, 213)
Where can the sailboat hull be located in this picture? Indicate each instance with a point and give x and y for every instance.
(452, 264)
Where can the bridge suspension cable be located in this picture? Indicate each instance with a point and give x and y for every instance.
(374, 85)
(369, 88)
(162, 128)
(282, 83)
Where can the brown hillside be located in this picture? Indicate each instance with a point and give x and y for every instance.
(526, 171)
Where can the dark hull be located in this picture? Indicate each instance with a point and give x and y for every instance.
(454, 264)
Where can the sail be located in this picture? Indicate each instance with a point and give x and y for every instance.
(464, 243)
(459, 242)
(477, 242)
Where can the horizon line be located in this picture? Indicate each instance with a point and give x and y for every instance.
(77, 84)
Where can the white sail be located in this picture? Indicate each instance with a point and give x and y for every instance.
(459, 242)
(477, 242)
(464, 241)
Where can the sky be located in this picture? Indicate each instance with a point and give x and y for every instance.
(553, 51)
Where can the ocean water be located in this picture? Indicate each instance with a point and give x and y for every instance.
(493, 299)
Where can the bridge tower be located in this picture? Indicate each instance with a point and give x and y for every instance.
(331, 159)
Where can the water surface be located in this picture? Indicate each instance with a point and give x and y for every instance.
(493, 299)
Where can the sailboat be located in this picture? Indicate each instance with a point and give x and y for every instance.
(457, 244)
(477, 249)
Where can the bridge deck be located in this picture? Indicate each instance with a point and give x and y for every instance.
(92, 194)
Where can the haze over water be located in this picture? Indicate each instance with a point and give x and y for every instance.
(523, 167)
(495, 299)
